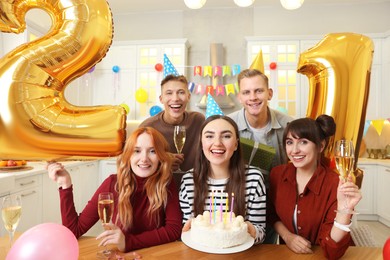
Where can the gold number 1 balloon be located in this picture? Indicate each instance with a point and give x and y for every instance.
(36, 120)
(339, 69)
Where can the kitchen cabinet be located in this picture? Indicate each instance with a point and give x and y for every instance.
(85, 178)
(30, 191)
(367, 206)
(383, 192)
(106, 168)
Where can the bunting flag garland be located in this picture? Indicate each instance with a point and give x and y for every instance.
(258, 62)
(168, 67)
(366, 126)
(191, 86)
(198, 70)
(378, 125)
(236, 69)
(207, 71)
(220, 90)
(199, 89)
(226, 71)
(217, 71)
(210, 90)
(230, 89)
(212, 107)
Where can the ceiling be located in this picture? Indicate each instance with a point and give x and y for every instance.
(130, 6)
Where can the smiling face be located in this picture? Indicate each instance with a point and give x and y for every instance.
(219, 141)
(302, 153)
(174, 96)
(254, 95)
(144, 160)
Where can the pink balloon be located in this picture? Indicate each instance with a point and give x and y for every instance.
(45, 241)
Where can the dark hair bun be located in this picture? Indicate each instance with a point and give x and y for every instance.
(327, 125)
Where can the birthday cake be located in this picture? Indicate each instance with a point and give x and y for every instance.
(214, 230)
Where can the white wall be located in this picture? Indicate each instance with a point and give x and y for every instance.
(230, 26)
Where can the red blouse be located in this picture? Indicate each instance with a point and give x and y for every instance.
(315, 206)
(143, 233)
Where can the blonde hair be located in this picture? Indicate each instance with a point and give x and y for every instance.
(155, 186)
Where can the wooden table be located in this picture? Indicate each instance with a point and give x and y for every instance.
(88, 247)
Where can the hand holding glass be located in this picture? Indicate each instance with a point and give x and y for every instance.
(11, 212)
(105, 210)
(344, 155)
(179, 138)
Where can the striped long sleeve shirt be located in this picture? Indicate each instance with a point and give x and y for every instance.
(255, 198)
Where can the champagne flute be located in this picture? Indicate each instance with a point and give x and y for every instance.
(105, 210)
(179, 138)
(344, 155)
(11, 211)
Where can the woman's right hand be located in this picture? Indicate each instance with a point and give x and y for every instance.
(298, 244)
(59, 174)
(187, 226)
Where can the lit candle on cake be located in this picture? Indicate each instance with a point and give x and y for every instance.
(211, 205)
(220, 207)
(231, 207)
(215, 207)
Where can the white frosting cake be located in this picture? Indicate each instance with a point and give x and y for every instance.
(214, 231)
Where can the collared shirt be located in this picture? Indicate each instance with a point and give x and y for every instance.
(316, 206)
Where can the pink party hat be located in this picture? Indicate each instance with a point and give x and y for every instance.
(212, 107)
(168, 67)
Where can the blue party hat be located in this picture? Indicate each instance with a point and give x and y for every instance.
(168, 67)
(212, 107)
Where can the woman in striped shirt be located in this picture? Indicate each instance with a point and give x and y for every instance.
(219, 171)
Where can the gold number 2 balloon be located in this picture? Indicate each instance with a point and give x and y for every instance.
(339, 69)
(36, 120)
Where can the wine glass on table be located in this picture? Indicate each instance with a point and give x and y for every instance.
(11, 212)
(179, 138)
(344, 153)
(105, 210)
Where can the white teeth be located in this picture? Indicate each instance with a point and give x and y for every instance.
(175, 106)
(143, 166)
(298, 157)
(218, 151)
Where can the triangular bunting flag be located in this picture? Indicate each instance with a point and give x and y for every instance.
(258, 62)
(212, 107)
(169, 68)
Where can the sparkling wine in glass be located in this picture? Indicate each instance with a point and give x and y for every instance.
(11, 212)
(179, 138)
(344, 153)
(105, 210)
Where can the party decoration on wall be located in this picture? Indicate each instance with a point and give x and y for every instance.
(366, 126)
(207, 71)
(258, 62)
(168, 67)
(116, 84)
(45, 241)
(236, 69)
(154, 110)
(141, 95)
(126, 107)
(159, 67)
(116, 69)
(339, 68)
(226, 71)
(217, 71)
(198, 70)
(273, 65)
(378, 125)
(212, 107)
(36, 121)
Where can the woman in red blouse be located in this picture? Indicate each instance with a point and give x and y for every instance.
(146, 201)
(309, 204)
